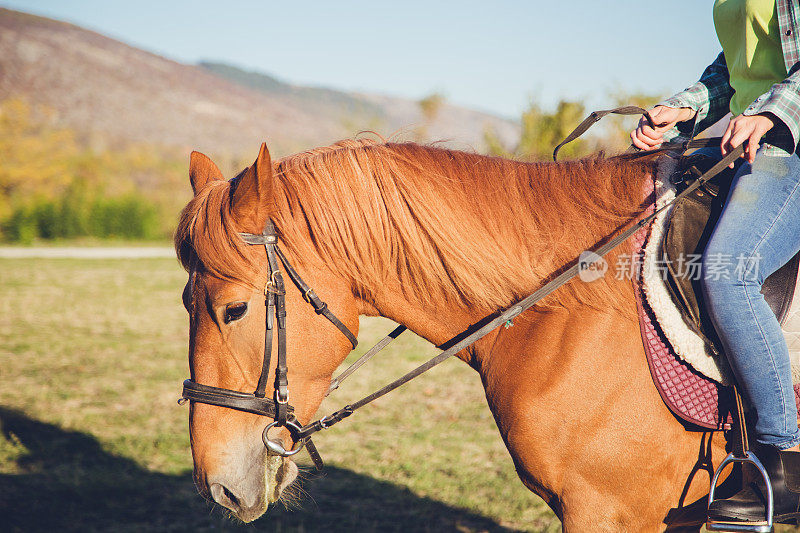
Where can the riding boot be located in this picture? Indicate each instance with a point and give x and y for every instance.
(749, 504)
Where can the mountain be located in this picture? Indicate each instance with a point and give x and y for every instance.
(111, 93)
(320, 98)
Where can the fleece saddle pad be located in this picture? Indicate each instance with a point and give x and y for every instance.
(693, 397)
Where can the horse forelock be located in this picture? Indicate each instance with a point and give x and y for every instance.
(206, 238)
(446, 225)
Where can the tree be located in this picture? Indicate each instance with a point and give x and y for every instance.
(51, 186)
(37, 157)
(541, 132)
(615, 132)
(430, 106)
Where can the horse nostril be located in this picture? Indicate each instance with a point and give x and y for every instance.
(231, 496)
(225, 497)
(243, 509)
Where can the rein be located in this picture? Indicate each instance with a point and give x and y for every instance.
(278, 407)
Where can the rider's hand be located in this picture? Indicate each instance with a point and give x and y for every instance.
(748, 128)
(664, 118)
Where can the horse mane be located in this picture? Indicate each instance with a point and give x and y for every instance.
(447, 225)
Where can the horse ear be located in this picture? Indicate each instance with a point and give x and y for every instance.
(202, 170)
(252, 200)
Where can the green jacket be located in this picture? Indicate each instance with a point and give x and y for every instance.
(711, 95)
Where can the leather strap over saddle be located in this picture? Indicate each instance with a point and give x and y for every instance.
(688, 230)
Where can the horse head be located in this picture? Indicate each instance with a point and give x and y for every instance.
(225, 299)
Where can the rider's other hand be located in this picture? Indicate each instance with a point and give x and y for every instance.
(748, 128)
(664, 118)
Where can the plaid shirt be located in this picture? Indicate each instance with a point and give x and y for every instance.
(711, 95)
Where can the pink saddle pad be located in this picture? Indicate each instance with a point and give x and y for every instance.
(691, 396)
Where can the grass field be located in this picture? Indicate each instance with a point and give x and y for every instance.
(92, 355)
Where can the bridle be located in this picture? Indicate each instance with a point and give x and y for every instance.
(278, 407)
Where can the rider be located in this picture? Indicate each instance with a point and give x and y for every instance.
(757, 79)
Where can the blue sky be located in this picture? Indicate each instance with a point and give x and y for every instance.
(495, 56)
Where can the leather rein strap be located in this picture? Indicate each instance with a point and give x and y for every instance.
(595, 116)
(279, 409)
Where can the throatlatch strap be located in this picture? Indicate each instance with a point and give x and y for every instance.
(320, 307)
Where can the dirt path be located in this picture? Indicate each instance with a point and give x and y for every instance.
(121, 252)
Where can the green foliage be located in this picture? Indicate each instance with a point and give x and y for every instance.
(77, 214)
(51, 187)
(616, 135)
(129, 216)
(541, 132)
(430, 106)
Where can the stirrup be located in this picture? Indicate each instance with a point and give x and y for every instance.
(761, 526)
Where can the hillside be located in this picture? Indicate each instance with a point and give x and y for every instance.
(111, 94)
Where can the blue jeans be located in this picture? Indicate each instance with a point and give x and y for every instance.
(757, 233)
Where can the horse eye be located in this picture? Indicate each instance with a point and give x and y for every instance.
(235, 311)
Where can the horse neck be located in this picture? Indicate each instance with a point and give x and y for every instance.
(437, 239)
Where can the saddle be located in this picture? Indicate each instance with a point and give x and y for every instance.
(692, 382)
(687, 232)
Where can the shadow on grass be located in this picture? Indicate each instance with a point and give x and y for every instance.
(64, 480)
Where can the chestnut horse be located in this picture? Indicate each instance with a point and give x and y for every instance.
(436, 240)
